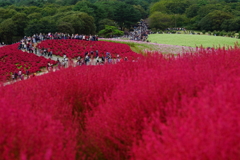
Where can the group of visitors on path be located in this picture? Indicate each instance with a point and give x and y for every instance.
(93, 58)
(29, 44)
(40, 37)
(21, 75)
(140, 32)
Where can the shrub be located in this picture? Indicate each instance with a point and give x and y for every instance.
(157, 107)
(12, 60)
(74, 48)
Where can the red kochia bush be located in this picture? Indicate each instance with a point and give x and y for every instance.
(34, 125)
(26, 134)
(12, 60)
(45, 119)
(206, 128)
(160, 107)
(74, 48)
(162, 87)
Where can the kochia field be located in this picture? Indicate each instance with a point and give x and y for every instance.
(160, 107)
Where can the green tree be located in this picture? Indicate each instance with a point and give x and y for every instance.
(34, 16)
(192, 11)
(202, 2)
(81, 22)
(48, 11)
(177, 6)
(70, 2)
(65, 27)
(33, 27)
(141, 10)
(204, 10)
(102, 23)
(7, 13)
(3, 4)
(85, 6)
(65, 9)
(231, 24)
(7, 30)
(44, 25)
(159, 7)
(20, 21)
(160, 20)
(108, 7)
(91, 9)
(180, 20)
(170, 6)
(110, 31)
(32, 9)
(126, 15)
(214, 20)
(230, 1)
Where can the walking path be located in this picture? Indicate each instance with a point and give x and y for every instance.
(163, 48)
(53, 57)
(44, 71)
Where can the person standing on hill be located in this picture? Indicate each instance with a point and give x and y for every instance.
(27, 73)
(63, 64)
(20, 74)
(15, 75)
(87, 59)
(96, 53)
(36, 50)
(22, 77)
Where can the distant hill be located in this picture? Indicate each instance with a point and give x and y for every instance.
(27, 17)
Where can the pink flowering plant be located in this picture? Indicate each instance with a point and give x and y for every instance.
(13, 60)
(159, 107)
(74, 48)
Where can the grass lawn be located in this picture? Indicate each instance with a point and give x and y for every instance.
(141, 47)
(136, 47)
(192, 40)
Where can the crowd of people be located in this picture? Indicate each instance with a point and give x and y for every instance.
(139, 33)
(29, 44)
(40, 37)
(20, 75)
(93, 58)
(176, 29)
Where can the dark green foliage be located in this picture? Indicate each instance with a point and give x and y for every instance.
(65, 27)
(102, 23)
(231, 24)
(3, 4)
(161, 21)
(81, 23)
(214, 20)
(43, 25)
(110, 31)
(7, 30)
(91, 16)
(192, 11)
(126, 15)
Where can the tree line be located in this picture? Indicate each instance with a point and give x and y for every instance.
(27, 17)
(204, 15)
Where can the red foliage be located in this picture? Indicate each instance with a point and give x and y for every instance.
(13, 60)
(161, 107)
(74, 48)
